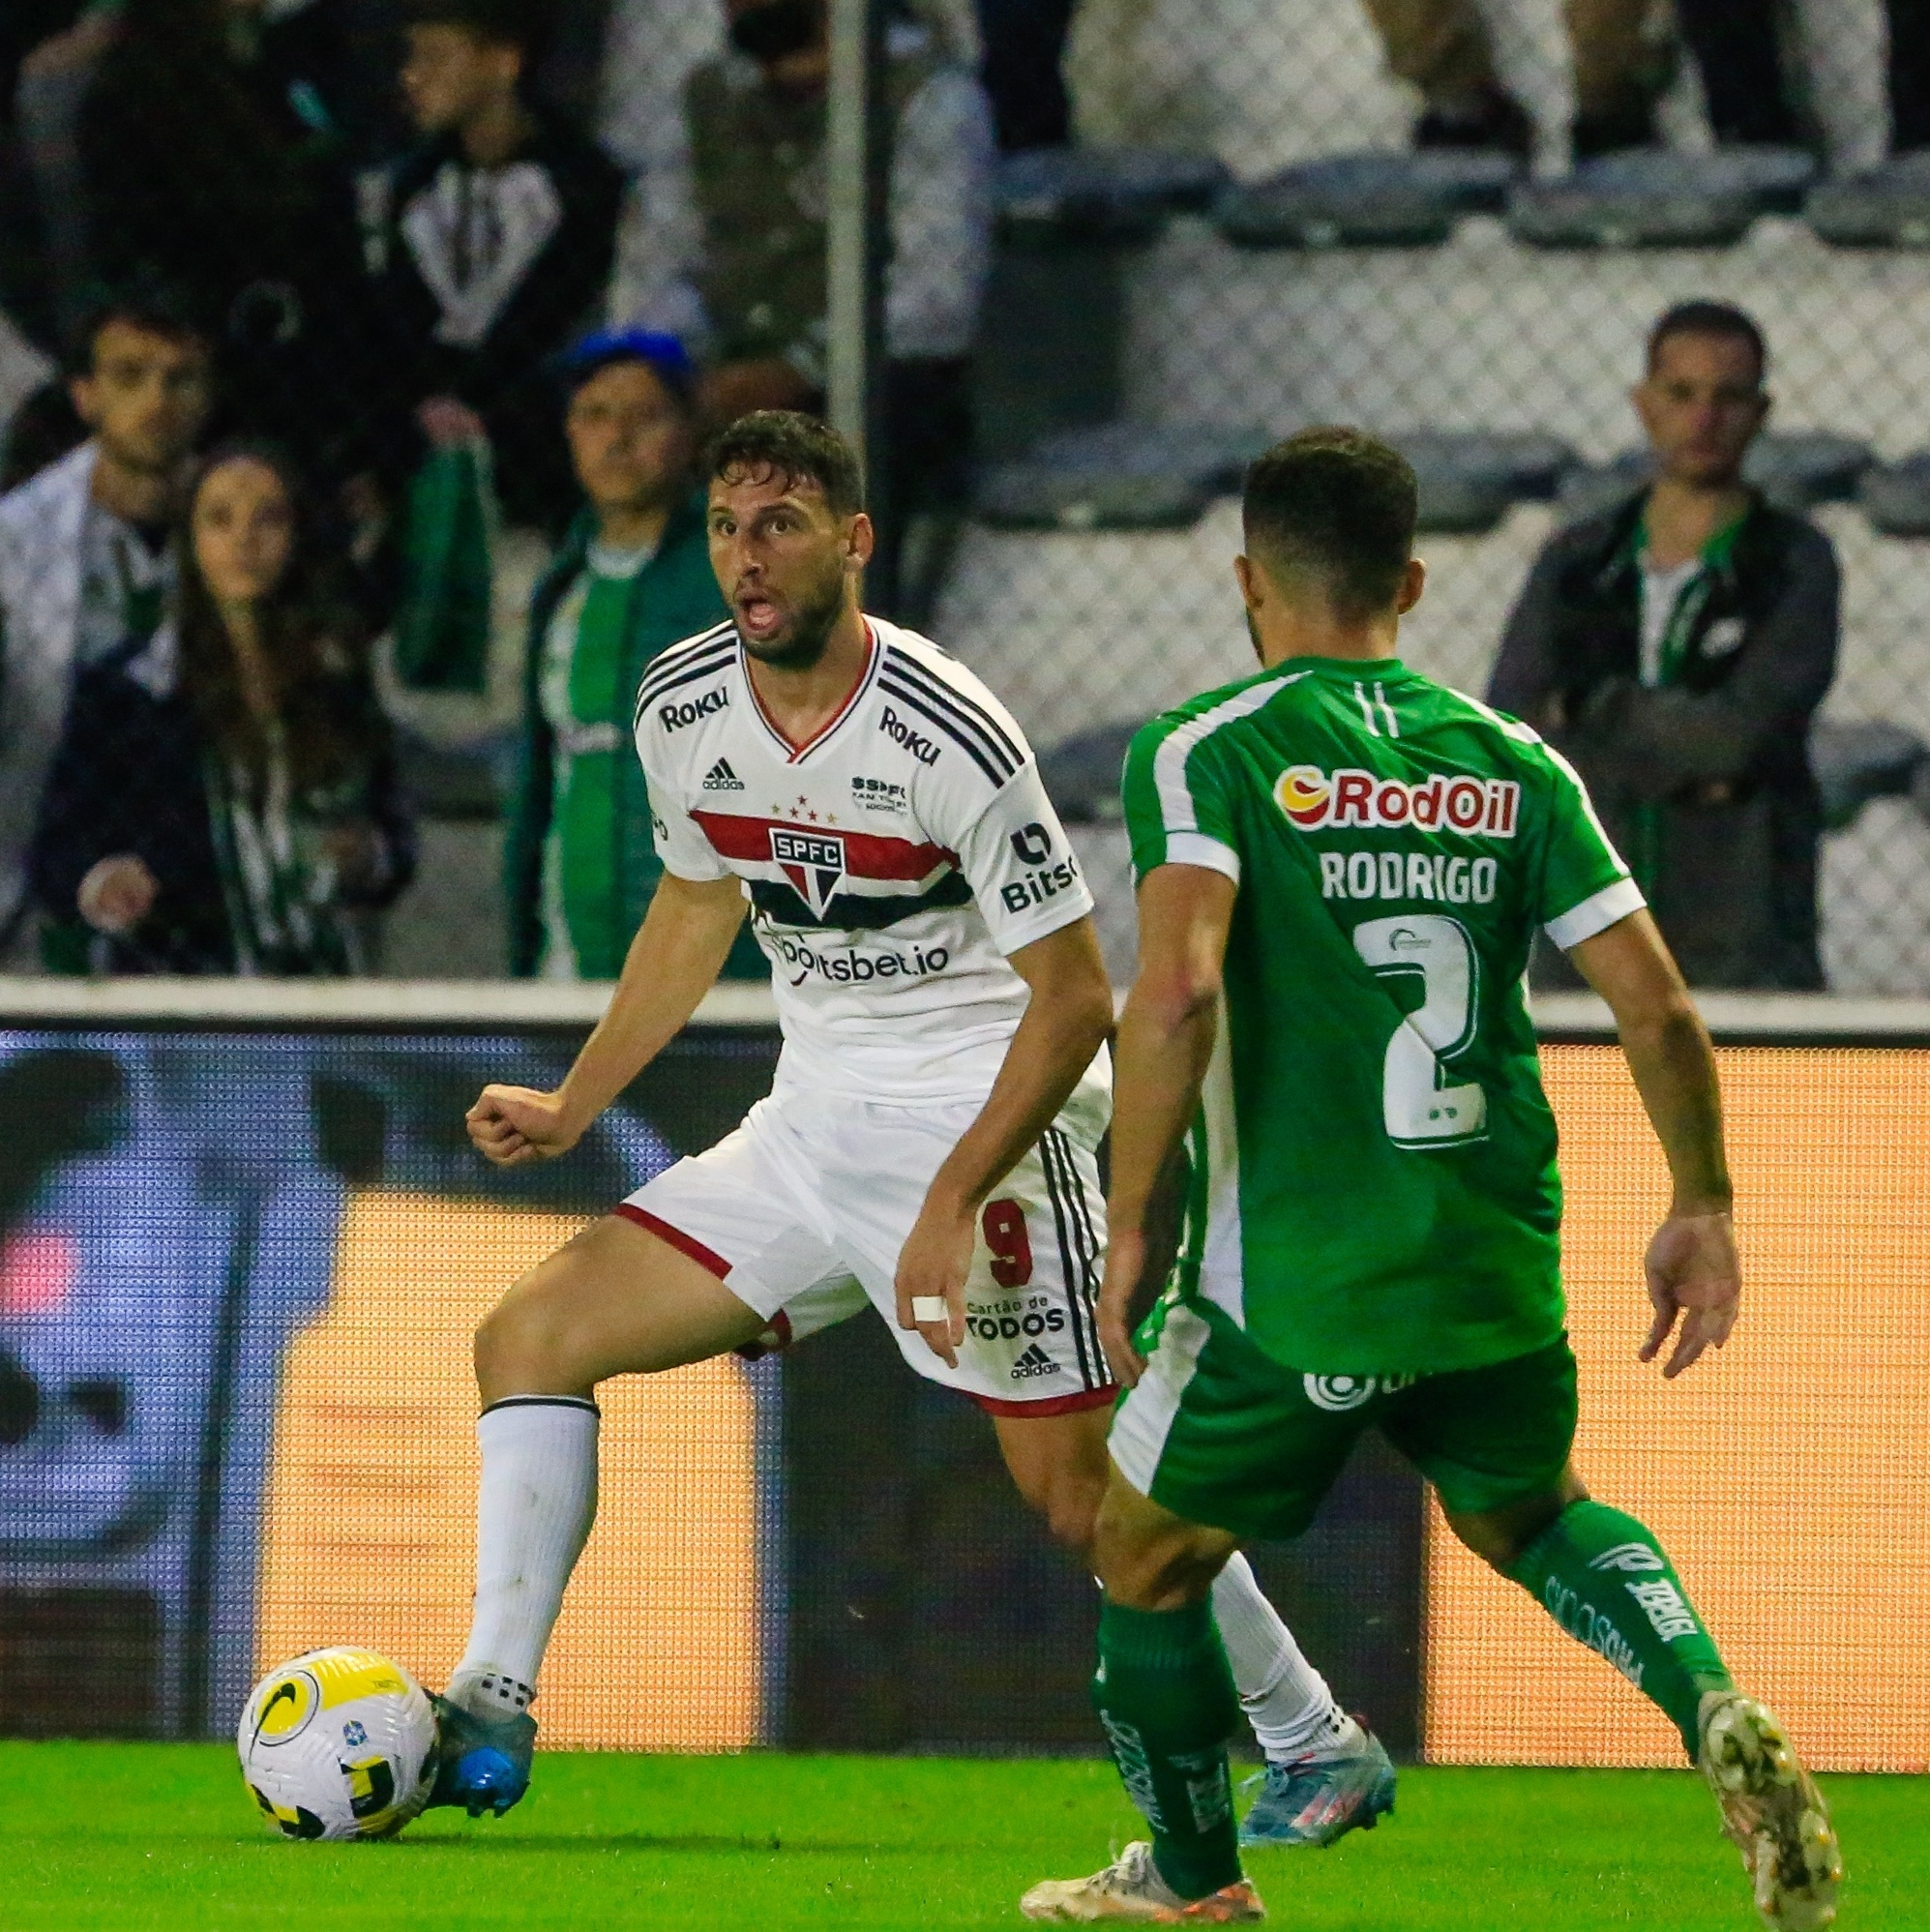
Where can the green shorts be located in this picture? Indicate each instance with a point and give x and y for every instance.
(1218, 1432)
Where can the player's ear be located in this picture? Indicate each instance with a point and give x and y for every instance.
(1413, 581)
(1247, 575)
(861, 541)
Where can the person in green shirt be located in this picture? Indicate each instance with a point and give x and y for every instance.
(632, 577)
(1342, 866)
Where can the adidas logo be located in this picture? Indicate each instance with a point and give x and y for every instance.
(721, 778)
(1034, 1361)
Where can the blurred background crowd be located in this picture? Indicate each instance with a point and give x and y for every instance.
(355, 357)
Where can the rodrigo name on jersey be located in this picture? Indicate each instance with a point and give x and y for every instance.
(892, 863)
(1374, 1180)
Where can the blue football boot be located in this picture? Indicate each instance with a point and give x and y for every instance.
(1317, 1800)
(482, 1763)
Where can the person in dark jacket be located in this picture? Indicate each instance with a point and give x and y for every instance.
(633, 577)
(211, 162)
(1677, 650)
(492, 250)
(226, 798)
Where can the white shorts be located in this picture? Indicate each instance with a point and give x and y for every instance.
(802, 1212)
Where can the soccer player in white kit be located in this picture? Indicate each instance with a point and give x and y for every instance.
(929, 1146)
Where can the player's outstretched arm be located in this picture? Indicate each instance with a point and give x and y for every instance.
(1694, 1275)
(1066, 1021)
(673, 963)
(1165, 1046)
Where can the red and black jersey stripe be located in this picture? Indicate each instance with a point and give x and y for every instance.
(870, 858)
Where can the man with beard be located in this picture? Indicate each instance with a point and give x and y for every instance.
(85, 565)
(929, 1146)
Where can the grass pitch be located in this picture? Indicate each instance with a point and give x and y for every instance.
(137, 1836)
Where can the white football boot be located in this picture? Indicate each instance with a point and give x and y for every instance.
(1131, 1891)
(1773, 1812)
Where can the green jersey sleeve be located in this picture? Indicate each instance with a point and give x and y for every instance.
(1176, 802)
(1585, 888)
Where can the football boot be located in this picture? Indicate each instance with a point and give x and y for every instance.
(1315, 1800)
(1131, 1891)
(482, 1763)
(1772, 1811)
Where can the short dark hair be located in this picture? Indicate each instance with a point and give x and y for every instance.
(513, 23)
(1337, 505)
(156, 308)
(799, 448)
(1709, 318)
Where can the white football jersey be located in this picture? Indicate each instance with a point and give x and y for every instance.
(891, 864)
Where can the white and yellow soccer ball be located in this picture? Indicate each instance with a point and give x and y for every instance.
(337, 1743)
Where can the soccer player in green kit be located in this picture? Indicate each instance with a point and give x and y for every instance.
(1342, 868)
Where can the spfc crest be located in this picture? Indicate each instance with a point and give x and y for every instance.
(814, 862)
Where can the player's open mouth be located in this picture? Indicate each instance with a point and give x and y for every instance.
(759, 617)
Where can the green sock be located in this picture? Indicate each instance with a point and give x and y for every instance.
(1166, 1699)
(1605, 1579)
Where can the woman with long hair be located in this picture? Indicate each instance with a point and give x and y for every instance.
(226, 798)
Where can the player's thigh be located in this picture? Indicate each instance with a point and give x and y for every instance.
(618, 1300)
(1216, 1432)
(1150, 1557)
(1059, 1464)
(1031, 1337)
(1493, 1441)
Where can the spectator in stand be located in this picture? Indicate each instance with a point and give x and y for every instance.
(84, 556)
(1444, 48)
(633, 577)
(1735, 46)
(226, 798)
(492, 251)
(1677, 650)
(731, 240)
(1022, 65)
(210, 161)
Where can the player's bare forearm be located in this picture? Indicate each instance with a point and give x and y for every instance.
(1669, 1054)
(1066, 1024)
(673, 963)
(1694, 1276)
(1165, 1046)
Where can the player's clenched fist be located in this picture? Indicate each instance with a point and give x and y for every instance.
(513, 1126)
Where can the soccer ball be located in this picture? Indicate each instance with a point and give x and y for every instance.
(337, 1743)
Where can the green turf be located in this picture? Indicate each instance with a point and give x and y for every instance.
(141, 1836)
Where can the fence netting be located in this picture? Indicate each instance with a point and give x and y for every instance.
(1132, 240)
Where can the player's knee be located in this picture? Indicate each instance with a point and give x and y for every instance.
(1150, 1564)
(517, 1347)
(1070, 1511)
(1500, 1538)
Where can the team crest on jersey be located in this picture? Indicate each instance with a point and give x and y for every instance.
(1475, 807)
(814, 862)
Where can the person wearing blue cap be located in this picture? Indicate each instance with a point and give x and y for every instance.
(632, 576)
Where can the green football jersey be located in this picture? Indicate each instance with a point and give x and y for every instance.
(1373, 1180)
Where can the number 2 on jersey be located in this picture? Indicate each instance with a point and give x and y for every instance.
(1416, 1108)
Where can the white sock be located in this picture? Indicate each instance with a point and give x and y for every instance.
(533, 1515)
(1286, 1701)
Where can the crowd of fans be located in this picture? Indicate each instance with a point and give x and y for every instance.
(365, 253)
(344, 286)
